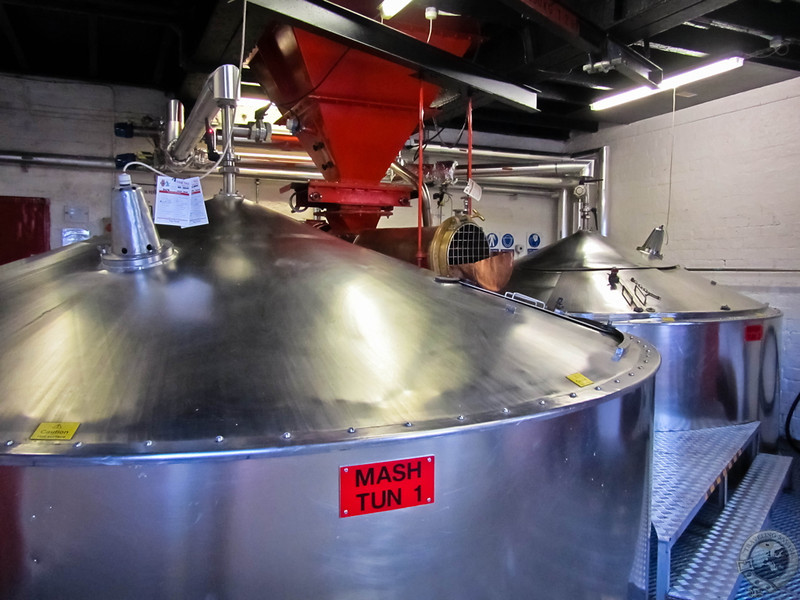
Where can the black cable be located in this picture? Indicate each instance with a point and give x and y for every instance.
(788, 430)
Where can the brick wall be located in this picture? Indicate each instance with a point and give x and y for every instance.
(731, 201)
(64, 117)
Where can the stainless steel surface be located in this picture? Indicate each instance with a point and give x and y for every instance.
(173, 124)
(220, 89)
(29, 159)
(652, 245)
(713, 570)
(135, 244)
(719, 347)
(559, 169)
(133, 231)
(228, 164)
(219, 394)
(687, 467)
(531, 182)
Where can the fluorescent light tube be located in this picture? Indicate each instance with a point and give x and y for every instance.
(390, 8)
(721, 66)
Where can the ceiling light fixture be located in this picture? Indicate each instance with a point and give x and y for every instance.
(390, 8)
(669, 83)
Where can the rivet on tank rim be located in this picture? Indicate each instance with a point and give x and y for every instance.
(9, 442)
(287, 435)
(219, 439)
(408, 424)
(351, 430)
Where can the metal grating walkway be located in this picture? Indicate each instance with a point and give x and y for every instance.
(687, 468)
(712, 571)
(698, 542)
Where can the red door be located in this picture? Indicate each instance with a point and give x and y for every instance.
(24, 227)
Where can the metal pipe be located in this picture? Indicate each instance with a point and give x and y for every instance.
(281, 174)
(602, 204)
(483, 153)
(174, 122)
(220, 89)
(56, 160)
(542, 182)
(273, 155)
(420, 178)
(551, 169)
(425, 199)
(564, 214)
(228, 161)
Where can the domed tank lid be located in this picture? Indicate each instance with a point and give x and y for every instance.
(265, 334)
(586, 250)
(586, 275)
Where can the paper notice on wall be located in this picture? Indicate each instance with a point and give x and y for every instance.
(179, 202)
(473, 190)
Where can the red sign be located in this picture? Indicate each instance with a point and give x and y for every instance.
(753, 333)
(378, 487)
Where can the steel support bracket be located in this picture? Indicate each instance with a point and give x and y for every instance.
(435, 65)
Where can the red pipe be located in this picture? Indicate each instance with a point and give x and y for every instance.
(469, 153)
(420, 179)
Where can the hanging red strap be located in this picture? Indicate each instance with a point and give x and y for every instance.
(469, 153)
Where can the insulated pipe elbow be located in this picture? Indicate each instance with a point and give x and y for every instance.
(425, 198)
(219, 90)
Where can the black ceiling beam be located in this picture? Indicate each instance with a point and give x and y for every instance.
(588, 38)
(350, 28)
(111, 9)
(662, 15)
(220, 43)
(11, 37)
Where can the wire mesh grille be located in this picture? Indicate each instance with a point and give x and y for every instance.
(468, 245)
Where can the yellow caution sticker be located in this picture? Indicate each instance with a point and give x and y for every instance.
(580, 380)
(668, 319)
(55, 431)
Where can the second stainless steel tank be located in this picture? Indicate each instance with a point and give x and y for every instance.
(719, 348)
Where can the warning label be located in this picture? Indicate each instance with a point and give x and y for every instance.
(55, 431)
(378, 487)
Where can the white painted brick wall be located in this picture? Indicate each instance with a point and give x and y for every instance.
(63, 117)
(733, 202)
